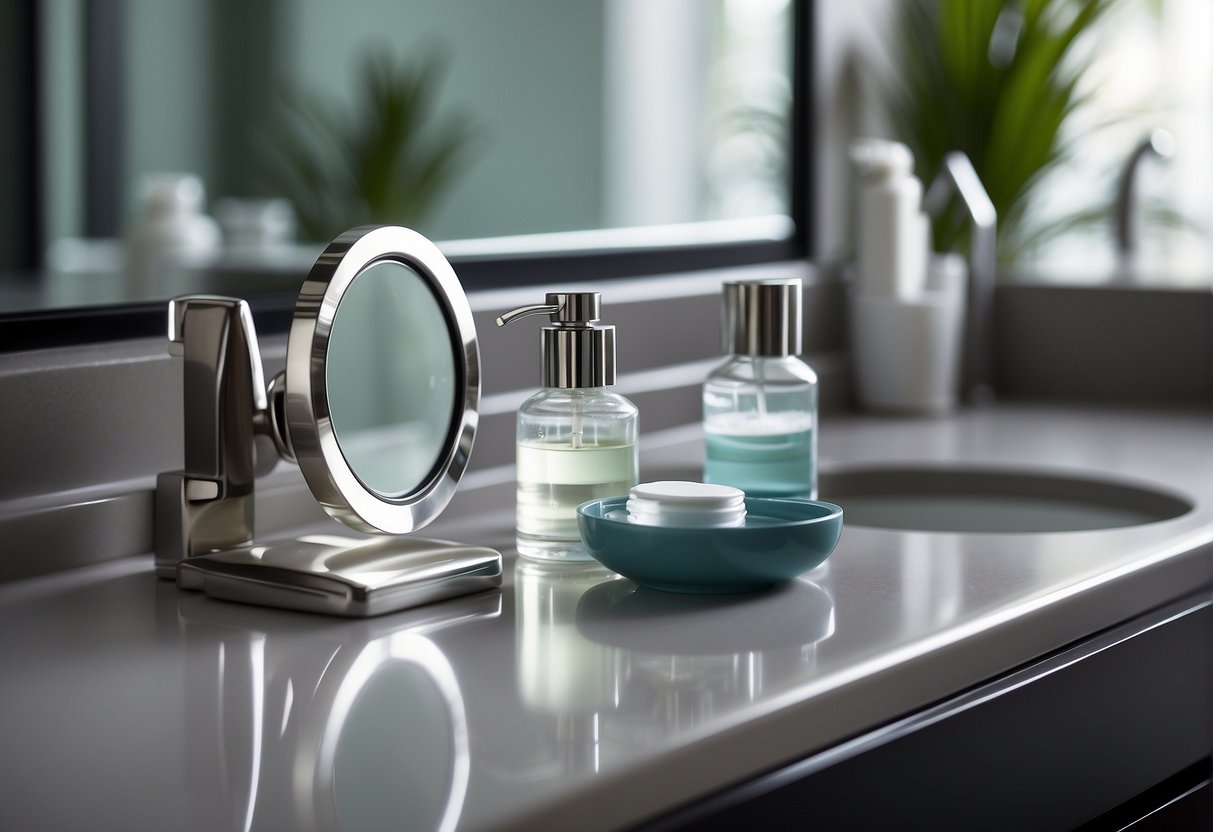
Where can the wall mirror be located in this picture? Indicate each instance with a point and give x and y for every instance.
(492, 123)
(377, 405)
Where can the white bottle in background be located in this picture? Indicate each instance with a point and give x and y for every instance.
(171, 232)
(892, 234)
(907, 306)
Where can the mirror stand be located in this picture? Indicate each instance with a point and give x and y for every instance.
(204, 513)
(341, 575)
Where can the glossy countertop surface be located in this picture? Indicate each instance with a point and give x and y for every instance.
(570, 698)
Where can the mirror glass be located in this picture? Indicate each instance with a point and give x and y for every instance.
(391, 378)
(244, 135)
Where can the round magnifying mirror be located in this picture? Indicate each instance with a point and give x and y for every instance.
(382, 380)
(391, 379)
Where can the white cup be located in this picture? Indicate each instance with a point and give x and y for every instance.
(907, 352)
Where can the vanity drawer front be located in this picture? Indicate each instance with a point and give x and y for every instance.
(1049, 746)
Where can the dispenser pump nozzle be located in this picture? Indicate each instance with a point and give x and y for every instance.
(563, 308)
(576, 352)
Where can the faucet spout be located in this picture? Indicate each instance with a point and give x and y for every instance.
(958, 176)
(1159, 144)
(208, 505)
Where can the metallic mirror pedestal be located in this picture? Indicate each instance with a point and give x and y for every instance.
(378, 406)
(343, 576)
(209, 505)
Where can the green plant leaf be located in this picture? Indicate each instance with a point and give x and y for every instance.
(998, 80)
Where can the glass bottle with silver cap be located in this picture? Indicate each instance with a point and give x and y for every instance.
(576, 438)
(760, 406)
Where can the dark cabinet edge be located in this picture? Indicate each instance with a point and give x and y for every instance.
(699, 814)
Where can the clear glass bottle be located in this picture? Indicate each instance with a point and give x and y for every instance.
(574, 445)
(759, 419)
(760, 406)
(576, 438)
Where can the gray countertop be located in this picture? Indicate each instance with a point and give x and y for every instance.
(569, 700)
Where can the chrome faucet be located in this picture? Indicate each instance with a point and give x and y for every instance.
(958, 176)
(1159, 144)
(208, 506)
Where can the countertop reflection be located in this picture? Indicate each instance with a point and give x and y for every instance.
(322, 732)
(569, 698)
(608, 663)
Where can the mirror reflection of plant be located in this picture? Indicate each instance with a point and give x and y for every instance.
(998, 80)
(385, 160)
(751, 148)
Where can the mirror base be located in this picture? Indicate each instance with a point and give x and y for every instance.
(345, 576)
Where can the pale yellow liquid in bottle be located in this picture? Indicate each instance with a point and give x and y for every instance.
(553, 479)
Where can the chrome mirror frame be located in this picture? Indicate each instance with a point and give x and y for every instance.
(308, 416)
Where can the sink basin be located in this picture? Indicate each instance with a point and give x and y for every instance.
(1001, 501)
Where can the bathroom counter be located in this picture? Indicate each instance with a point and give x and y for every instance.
(567, 700)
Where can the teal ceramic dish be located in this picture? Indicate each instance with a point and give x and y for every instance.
(781, 539)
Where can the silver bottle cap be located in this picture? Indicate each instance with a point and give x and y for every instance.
(762, 317)
(576, 351)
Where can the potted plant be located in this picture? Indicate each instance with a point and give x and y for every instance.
(998, 80)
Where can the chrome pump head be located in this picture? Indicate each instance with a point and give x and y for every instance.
(762, 317)
(576, 351)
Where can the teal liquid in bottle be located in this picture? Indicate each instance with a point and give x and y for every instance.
(775, 457)
(760, 417)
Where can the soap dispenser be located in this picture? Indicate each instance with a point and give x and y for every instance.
(760, 406)
(576, 438)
